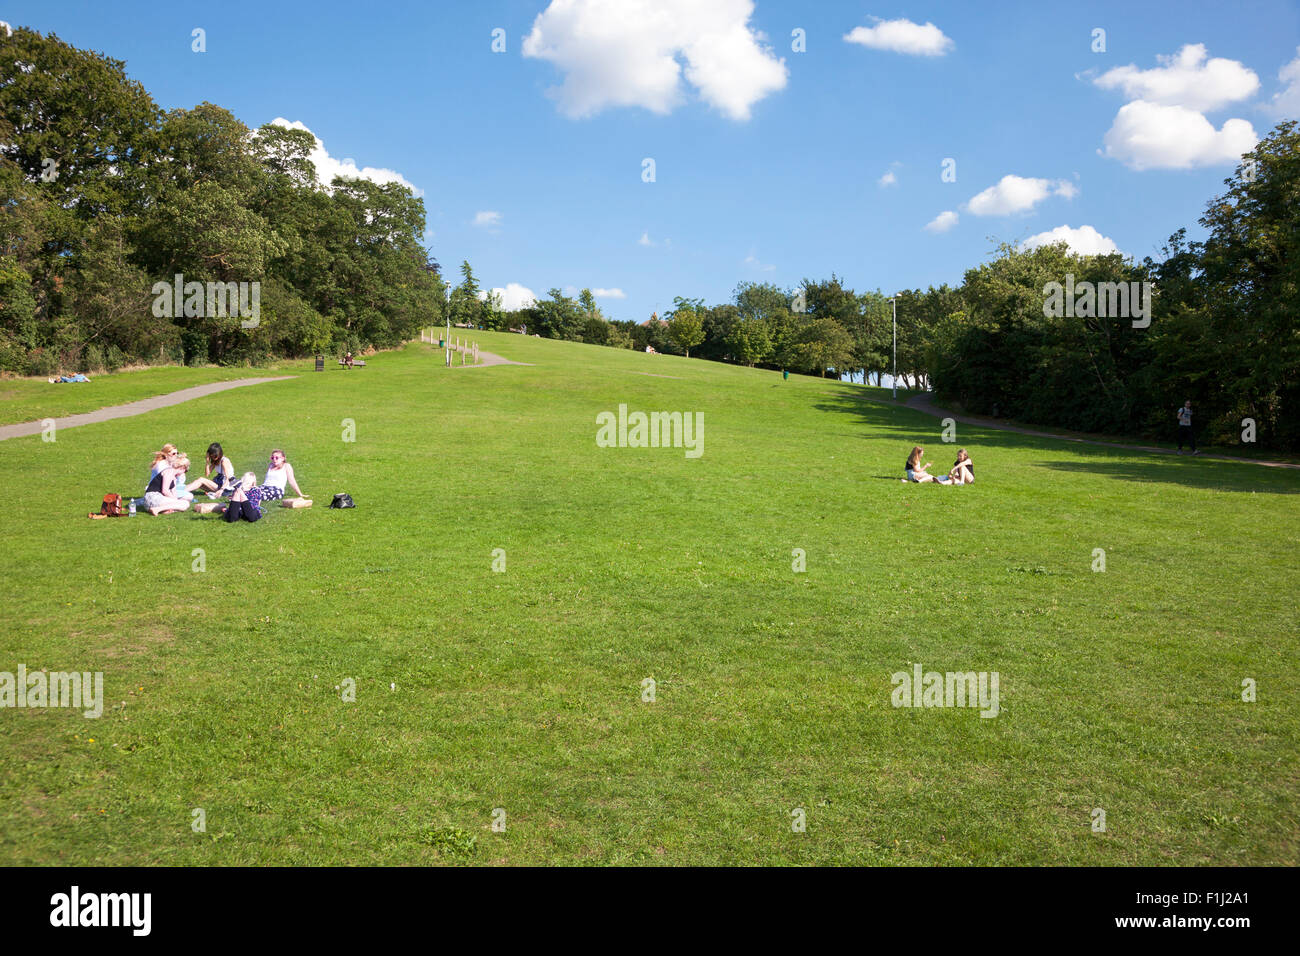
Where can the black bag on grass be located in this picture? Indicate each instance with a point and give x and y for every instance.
(342, 501)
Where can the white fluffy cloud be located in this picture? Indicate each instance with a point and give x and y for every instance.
(889, 179)
(942, 222)
(1150, 136)
(625, 53)
(513, 296)
(1164, 126)
(1287, 103)
(1013, 194)
(1185, 79)
(487, 217)
(327, 167)
(1086, 241)
(609, 293)
(901, 36)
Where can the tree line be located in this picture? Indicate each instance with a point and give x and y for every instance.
(1092, 343)
(105, 196)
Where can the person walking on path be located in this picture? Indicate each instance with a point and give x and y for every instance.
(1185, 433)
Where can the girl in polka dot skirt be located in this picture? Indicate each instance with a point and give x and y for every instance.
(279, 474)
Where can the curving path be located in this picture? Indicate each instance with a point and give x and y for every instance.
(924, 402)
(489, 358)
(133, 408)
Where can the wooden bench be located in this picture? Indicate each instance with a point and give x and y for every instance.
(356, 363)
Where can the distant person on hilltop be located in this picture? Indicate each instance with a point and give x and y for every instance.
(1185, 432)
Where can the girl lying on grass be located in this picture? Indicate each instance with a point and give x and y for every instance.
(246, 500)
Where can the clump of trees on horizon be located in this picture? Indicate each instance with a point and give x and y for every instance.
(104, 195)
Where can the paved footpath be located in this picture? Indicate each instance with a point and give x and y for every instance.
(488, 358)
(133, 408)
(924, 402)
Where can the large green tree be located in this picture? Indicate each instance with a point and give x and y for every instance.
(685, 324)
(1250, 270)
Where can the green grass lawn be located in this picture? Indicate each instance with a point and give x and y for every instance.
(522, 690)
(29, 399)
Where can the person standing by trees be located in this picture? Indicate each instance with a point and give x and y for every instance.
(1185, 433)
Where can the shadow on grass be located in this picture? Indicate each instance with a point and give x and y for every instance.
(1210, 475)
(913, 427)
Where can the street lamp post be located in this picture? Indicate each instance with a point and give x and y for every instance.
(894, 302)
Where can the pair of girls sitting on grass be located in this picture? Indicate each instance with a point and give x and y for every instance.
(962, 472)
(167, 491)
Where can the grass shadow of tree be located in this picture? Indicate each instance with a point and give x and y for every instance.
(1191, 473)
(913, 427)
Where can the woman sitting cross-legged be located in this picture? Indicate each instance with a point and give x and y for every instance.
(963, 469)
(160, 495)
(916, 470)
(246, 500)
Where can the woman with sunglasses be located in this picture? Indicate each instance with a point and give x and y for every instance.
(279, 474)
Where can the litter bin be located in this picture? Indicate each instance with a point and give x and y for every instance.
(320, 363)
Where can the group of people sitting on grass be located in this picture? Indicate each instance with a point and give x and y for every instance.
(962, 472)
(167, 491)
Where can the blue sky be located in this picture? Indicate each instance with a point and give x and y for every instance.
(764, 170)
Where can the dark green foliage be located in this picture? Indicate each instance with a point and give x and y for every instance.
(1222, 331)
(557, 317)
(685, 323)
(104, 196)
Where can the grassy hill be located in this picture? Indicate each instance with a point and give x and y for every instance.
(523, 689)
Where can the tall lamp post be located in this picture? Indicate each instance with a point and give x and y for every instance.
(894, 301)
